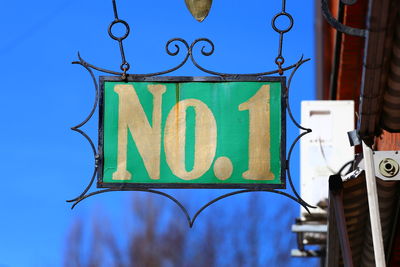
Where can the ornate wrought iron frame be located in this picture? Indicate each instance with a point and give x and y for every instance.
(206, 50)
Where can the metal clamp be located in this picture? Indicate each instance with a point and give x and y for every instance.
(386, 165)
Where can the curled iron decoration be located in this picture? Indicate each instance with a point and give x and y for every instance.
(296, 140)
(336, 24)
(173, 48)
(177, 48)
(190, 220)
(208, 52)
(77, 129)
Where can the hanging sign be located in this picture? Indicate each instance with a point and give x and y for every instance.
(192, 132)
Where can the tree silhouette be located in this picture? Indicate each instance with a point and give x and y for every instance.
(159, 236)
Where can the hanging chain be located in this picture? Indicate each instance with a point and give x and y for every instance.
(124, 65)
(280, 60)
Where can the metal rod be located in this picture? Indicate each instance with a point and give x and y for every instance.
(332, 242)
(336, 199)
(373, 206)
(115, 9)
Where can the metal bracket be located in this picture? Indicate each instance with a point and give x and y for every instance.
(336, 24)
(354, 138)
(386, 165)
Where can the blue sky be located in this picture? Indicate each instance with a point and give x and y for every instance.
(42, 95)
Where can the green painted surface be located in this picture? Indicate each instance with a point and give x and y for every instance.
(223, 99)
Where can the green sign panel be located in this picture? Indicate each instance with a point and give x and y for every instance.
(182, 132)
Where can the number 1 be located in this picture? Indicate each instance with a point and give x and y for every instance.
(259, 135)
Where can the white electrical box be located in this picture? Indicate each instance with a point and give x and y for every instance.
(326, 149)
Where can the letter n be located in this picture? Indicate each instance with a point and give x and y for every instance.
(147, 138)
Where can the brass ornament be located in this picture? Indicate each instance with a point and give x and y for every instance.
(199, 8)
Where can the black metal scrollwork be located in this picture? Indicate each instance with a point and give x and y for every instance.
(86, 136)
(174, 48)
(189, 55)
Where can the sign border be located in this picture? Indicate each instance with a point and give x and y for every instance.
(175, 79)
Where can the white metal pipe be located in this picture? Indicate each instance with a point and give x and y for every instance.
(373, 205)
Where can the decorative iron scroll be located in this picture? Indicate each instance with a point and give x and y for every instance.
(173, 48)
(336, 24)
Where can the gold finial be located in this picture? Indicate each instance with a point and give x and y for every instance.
(199, 8)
